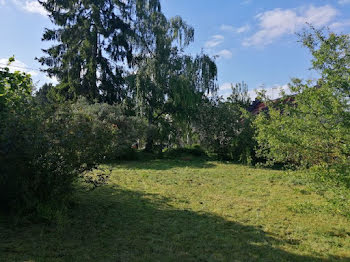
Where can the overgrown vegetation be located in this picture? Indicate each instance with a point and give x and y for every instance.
(225, 127)
(103, 111)
(311, 128)
(46, 149)
(127, 90)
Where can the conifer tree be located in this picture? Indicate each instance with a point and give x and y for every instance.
(93, 43)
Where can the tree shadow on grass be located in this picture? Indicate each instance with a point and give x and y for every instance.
(113, 224)
(164, 164)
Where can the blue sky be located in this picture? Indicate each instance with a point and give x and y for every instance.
(254, 39)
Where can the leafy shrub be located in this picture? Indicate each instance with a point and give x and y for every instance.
(313, 130)
(45, 149)
(48, 149)
(225, 129)
(15, 91)
(125, 131)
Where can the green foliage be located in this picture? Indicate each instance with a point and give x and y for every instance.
(92, 41)
(124, 131)
(312, 128)
(45, 153)
(178, 153)
(95, 42)
(48, 93)
(15, 96)
(15, 88)
(168, 85)
(45, 149)
(225, 127)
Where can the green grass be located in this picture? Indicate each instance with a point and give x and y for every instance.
(168, 210)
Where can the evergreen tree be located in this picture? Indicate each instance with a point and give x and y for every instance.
(94, 41)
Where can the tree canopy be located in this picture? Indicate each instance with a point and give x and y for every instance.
(313, 128)
(93, 43)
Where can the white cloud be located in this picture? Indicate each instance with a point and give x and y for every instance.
(319, 16)
(273, 92)
(228, 28)
(18, 66)
(239, 30)
(2, 2)
(278, 22)
(214, 41)
(53, 80)
(31, 6)
(246, 2)
(243, 29)
(343, 2)
(225, 90)
(225, 87)
(226, 54)
(35, 7)
(37, 76)
(338, 26)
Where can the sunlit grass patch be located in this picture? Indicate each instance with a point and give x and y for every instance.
(170, 210)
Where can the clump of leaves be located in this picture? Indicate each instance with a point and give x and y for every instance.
(46, 149)
(313, 127)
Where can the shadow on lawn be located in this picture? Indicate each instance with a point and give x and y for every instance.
(181, 162)
(112, 224)
(165, 164)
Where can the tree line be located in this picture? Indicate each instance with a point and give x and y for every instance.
(125, 82)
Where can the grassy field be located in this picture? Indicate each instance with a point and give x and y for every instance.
(167, 210)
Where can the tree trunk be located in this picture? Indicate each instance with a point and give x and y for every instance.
(150, 134)
(149, 143)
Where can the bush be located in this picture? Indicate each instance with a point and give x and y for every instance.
(125, 131)
(314, 128)
(46, 151)
(225, 128)
(46, 148)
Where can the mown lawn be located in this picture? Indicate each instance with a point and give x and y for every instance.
(167, 210)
